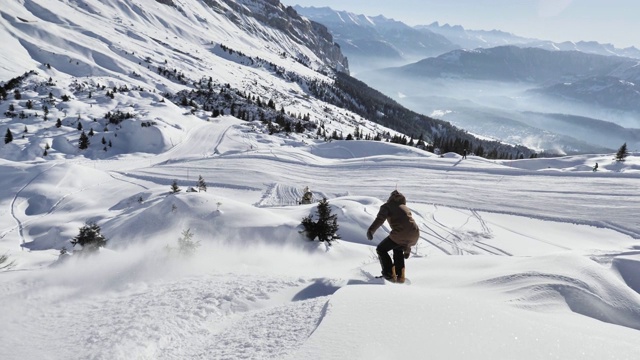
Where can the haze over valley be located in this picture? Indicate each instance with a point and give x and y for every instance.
(558, 98)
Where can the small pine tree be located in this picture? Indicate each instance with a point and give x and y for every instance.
(174, 187)
(202, 186)
(79, 125)
(58, 123)
(622, 152)
(186, 246)
(326, 228)
(89, 237)
(8, 137)
(83, 142)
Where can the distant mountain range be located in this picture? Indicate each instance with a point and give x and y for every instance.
(512, 63)
(606, 81)
(535, 92)
(473, 39)
(377, 40)
(371, 42)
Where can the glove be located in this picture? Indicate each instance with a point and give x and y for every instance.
(407, 252)
(369, 235)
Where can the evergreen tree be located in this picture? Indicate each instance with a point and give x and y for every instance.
(326, 228)
(83, 143)
(89, 237)
(174, 187)
(186, 246)
(8, 137)
(622, 152)
(58, 123)
(202, 186)
(79, 126)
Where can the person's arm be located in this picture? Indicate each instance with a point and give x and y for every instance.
(380, 219)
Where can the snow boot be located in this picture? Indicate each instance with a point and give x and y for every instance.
(392, 278)
(400, 277)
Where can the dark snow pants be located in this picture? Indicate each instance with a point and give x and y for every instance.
(385, 260)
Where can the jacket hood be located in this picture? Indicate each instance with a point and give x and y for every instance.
(397, 197)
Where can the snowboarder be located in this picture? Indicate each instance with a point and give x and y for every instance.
(464, 153)
(404, 234)
(595, 168)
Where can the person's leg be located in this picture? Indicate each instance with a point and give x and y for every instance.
(398, 260)
(383, 249)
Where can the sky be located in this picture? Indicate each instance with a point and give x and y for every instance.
(528, 259)
(612, 22)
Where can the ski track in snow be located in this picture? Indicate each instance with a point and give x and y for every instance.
(20, 224)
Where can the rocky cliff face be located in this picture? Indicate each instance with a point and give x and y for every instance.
(272, 13)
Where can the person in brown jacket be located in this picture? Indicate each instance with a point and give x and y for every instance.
(404, 234)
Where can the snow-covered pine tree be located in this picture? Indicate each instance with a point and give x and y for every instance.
(202, 186)
(326, 228)
(8, 137)
(89, 237)
(83, 142)
(186, 245)
(622, 152)
(174, 187)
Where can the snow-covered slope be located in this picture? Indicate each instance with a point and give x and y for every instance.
(531, 258)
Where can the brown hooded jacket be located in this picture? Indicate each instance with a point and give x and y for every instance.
(404, 230)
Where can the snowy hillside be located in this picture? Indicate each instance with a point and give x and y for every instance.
(534, 257)
(527, 259)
